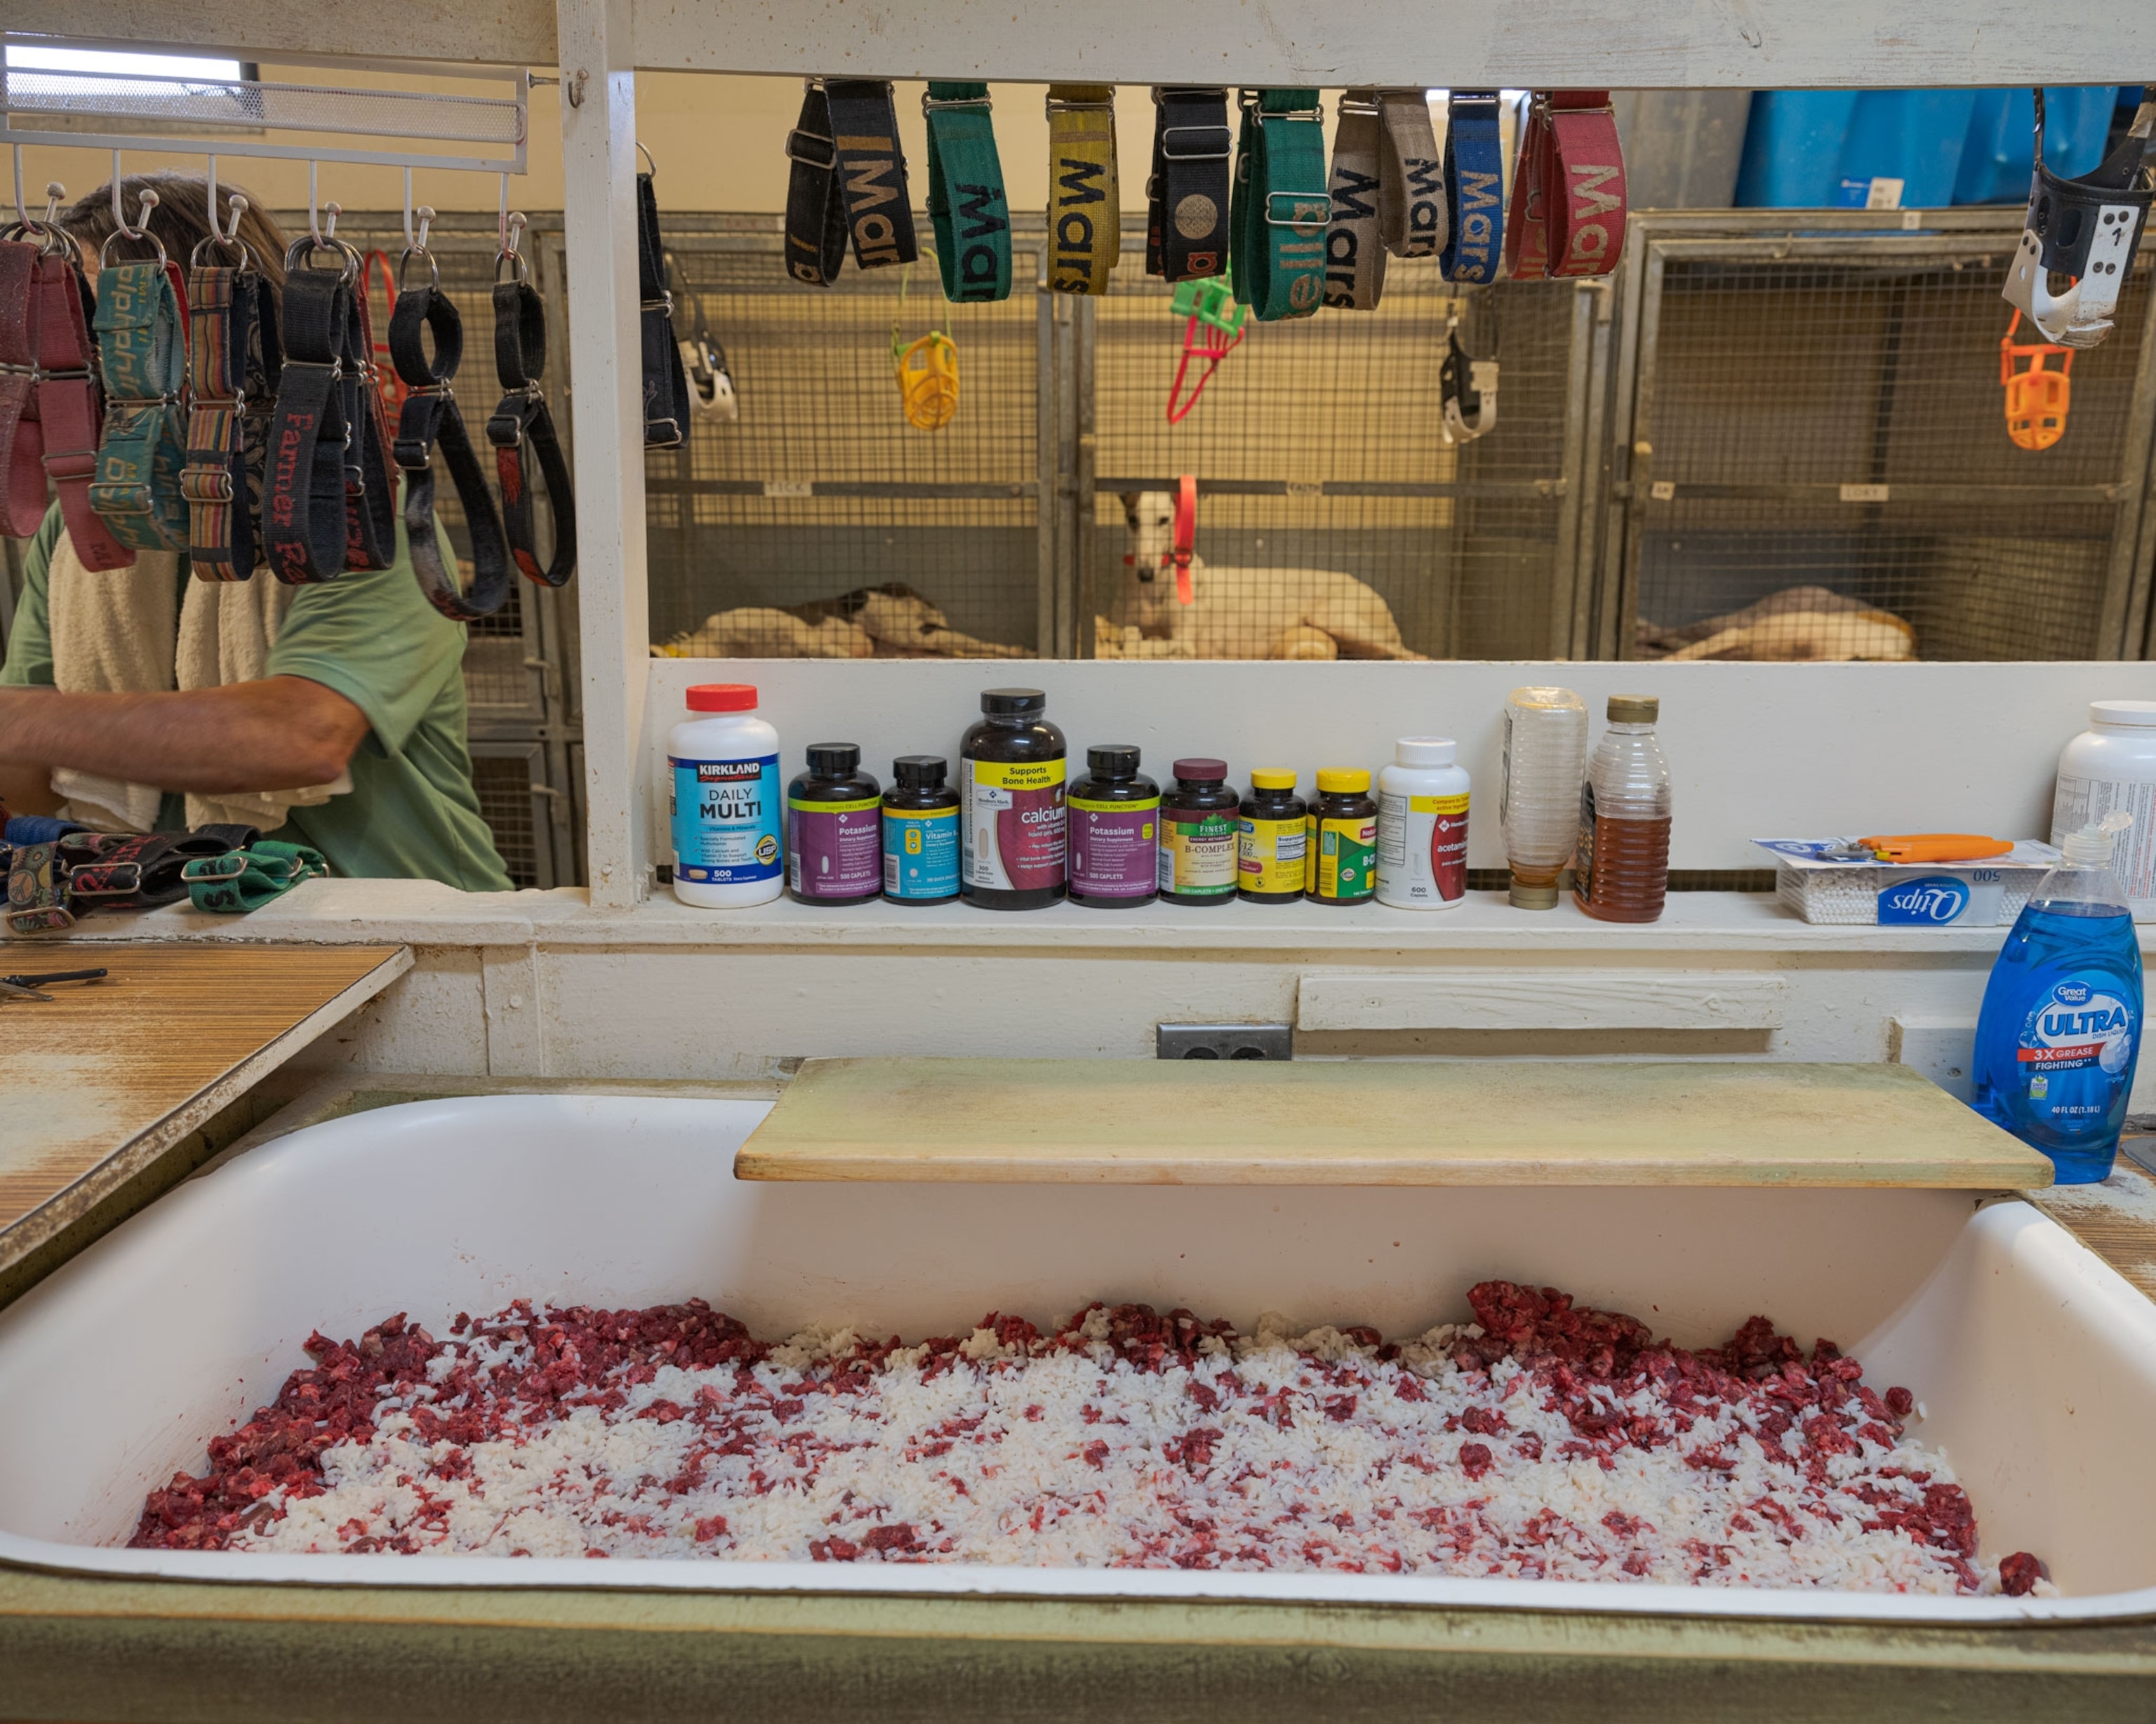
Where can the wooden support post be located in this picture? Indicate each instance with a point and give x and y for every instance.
(598, 184)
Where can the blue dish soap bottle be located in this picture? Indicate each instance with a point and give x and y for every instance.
(2061, 1028)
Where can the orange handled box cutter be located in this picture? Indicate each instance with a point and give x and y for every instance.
(1929, 847)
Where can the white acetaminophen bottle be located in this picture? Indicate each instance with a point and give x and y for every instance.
(727, 803)
(1422, 826)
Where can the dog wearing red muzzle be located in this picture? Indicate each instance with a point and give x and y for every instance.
(1234, 613)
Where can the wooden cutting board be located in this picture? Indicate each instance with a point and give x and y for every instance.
(1380, 1123)
(96, 1085)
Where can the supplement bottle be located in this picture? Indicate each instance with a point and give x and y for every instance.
(1199, 826)
(1115, 831)
(2060, 1031)
(920, 832)
(2112, 765)
(1343, 838)
(724, 804)
(833, 830)
(1011, 770)
(1623, 868)
(1422, 826)
(1538, 793)
(1273, 845)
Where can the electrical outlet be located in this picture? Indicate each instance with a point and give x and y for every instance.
(1225, 1041)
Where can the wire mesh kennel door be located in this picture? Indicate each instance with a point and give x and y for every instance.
(1316, 451)
(765, 532)
(1820, 465)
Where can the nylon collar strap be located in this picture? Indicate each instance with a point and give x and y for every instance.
(666, 384)
(521, 421)
(1354, 245)
(1474, 188)
(233, 363)
(815, 212)
(303, 516)
(370, 498)
(71, 408)
(1187, 196)
(862, 191)
(1569, 189)
(141, 349)
(1281, 205)
(1085, 210)
(966, 205)
(1411, 175)
(429, 416)
(22, 436)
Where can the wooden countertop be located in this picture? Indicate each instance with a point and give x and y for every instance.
(99, 1082)
(1380, 1123)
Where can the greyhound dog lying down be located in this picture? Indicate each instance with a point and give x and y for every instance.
(1236, 613)
(1798, 624)
(891, 621)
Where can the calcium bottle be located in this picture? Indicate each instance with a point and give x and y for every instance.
(1422, 826)
(2111, 766)
(725, 801)
(1011, 766)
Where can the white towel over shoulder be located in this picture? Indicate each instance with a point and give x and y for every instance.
(114, 631)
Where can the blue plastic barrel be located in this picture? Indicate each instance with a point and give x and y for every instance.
(1811, 149)
(1999, 155)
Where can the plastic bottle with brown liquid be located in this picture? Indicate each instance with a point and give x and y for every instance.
(1622, 871)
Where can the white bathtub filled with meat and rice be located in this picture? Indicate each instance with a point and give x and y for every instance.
(2032, 1365)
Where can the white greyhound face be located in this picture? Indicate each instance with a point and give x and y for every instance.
(1149, 546)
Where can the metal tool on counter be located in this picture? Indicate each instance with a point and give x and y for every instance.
(1924, 847)
(27, 988)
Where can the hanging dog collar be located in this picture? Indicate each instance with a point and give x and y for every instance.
(70, 406)
(2087, 228)
(303, 514)
(233, 364)
(1213, 329)
(1354, 240)
(142, 352)
(1474, 187)
(665, 388)
(1186, 536)
(521, 422)
(966, 207)
(848, 177)
(704, 365)
(1281, 205)
(22, 436)
(1567, 189)
(1411, 176)
(1084, 211)
(2037, 398)
(1467, 390)
(430, 416)
(370, 493)
(1186, 195)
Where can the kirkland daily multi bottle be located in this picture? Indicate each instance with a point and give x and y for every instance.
(1011, 770)
(2061, 1028)
(725, 800)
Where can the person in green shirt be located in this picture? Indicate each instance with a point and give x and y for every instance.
(364, 677)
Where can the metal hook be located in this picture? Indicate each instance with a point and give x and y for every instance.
(649, 157)
(238, 205)
(148, 201)
(54, 191)
(215, 233)
(21, 214)
(409, 242)
(332, 209)
(501, 222)
(314, 220)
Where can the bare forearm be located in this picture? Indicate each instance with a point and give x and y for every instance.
(282, 733)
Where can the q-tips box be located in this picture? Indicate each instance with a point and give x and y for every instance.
(1822, 886)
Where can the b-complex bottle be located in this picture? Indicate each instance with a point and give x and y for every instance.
(833, 830)
(1272, 857)
(724, 804)
(919, 833)
(1343, 838)
(1621, 872)
(1198, 829)
(1011, 770)
(1115, 831)
(1422, 826)
(2060, 1032)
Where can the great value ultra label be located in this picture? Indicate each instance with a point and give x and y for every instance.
(1013, 835)
(724, 815)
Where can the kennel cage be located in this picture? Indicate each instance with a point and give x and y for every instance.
(1815, 402)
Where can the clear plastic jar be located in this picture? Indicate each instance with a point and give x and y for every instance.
(1538, 798)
